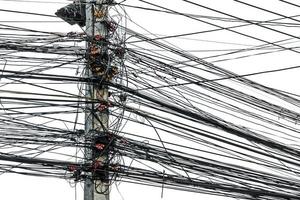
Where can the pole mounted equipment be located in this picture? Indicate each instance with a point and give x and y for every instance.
(73, 13)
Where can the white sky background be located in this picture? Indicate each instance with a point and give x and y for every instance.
(13, 187)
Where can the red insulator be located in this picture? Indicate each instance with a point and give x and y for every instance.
(102, 107)
(72, 168)
(99, 37)
(100, 146)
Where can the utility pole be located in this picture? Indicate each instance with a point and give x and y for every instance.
(101, 65)
(96, 185)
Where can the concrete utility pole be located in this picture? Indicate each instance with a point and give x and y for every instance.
(100, 64)
(97, 187)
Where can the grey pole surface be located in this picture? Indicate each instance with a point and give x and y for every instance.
(95, 120)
